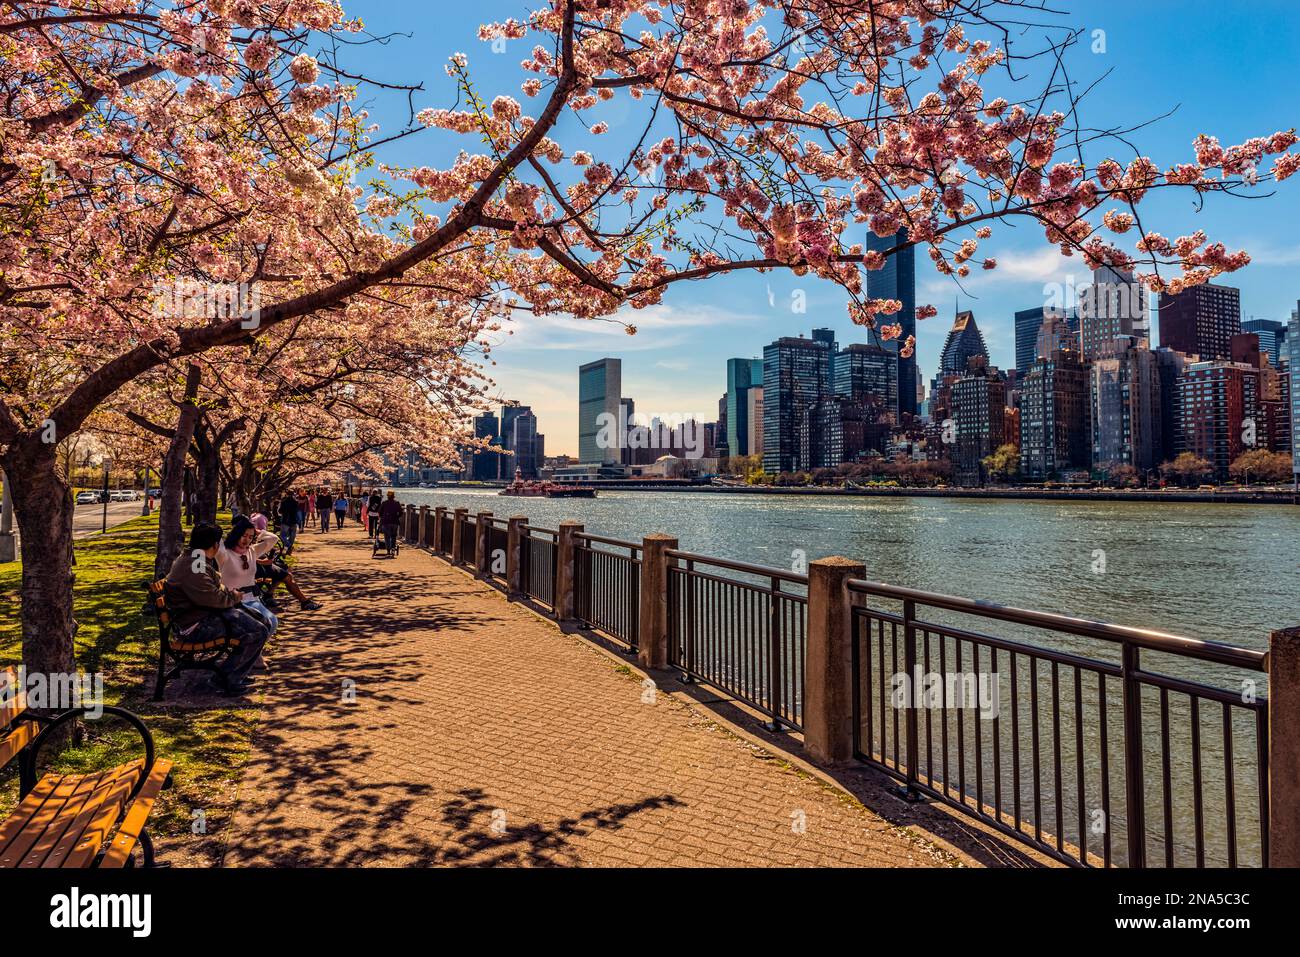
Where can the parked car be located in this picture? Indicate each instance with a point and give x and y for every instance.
(87, 498)
(124, 495)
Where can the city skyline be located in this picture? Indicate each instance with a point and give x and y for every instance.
(671, 362)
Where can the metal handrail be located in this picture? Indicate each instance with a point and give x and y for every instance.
(617, 542)
(760, 570)
(1104, 631)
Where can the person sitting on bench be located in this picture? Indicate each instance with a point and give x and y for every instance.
(237, 560)
(204, 609)
(270, 565)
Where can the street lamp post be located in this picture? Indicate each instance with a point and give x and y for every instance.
(105, 496)
(144, 509)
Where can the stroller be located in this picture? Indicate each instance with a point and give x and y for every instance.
(379, 546)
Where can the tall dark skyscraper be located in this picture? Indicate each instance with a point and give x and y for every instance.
(964, 342)
(795, 373)
(897, 280)
(1054, 422)
(1201, 321)
(869, 374)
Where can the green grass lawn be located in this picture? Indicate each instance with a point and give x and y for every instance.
(118, 638)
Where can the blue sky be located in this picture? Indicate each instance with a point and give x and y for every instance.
(1227, 69)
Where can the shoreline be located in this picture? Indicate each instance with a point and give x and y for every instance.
(1071, 495)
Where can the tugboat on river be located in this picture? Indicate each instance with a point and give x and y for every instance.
(535, 489)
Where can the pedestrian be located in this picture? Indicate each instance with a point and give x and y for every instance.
(289, 521)
(303, 499)
(340, 509)
(390, 519)
(373, 509)
(324, 502)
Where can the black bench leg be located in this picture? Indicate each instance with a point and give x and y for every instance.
(161, 684)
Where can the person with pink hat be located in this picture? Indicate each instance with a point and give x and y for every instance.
(273, 568)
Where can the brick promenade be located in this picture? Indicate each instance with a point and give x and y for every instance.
(482, 735)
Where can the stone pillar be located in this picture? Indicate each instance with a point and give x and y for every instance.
(439, 545)
(458, 531)
(566, 569)
(652, 642)
(8, 547)
(1284, 748)
(515, 555)
(828, 685)
(482, 544)
(422, 525)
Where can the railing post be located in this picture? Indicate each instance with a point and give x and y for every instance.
(910, 710)
(1134, 797)
(1284, 748)
(774, 638)
(457, 533)
(439, 514)
(422, 525)
(514, 556)
(482, 543)
(652, 641)
(566, 570)
(828, 695)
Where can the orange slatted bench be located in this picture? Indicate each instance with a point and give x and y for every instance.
(74, 820)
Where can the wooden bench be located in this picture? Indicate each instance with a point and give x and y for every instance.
(191, 655)
(74, 820)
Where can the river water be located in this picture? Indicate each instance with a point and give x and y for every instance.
(1217, 572)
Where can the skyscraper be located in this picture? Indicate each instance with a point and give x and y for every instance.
(742, 375)
(869, 373)
(1124, 405)
(795, 372)
(979, 404)
(1214, 399)
(1114, 305)
(1200, 321)
(827, 338)
(600, 387)
(964, 342)
(1054, 416)
(1272, 336)
(754, 399)
(1293, 346)
(897, 280)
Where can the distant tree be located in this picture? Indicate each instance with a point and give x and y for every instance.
(1122, 475)
(1003, 464)
(1187, 469)
(1262, 465)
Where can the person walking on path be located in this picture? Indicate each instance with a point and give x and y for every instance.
(324, 502)
(340, 510)
(289, 521)
(372, 506)
(304, 500)
(390, 517)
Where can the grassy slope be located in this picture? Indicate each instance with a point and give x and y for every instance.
(209, 745)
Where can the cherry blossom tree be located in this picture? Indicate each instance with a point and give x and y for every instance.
(144, 149)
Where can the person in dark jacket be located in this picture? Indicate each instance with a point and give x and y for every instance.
(324, 505)
(203, 609)
(372, 511)
(390, 517)
(289, 519)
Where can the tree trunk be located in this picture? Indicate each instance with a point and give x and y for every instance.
(209, 464)
(43, 506)
(173, 481)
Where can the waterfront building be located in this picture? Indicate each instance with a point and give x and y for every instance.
(1114, 305)
(1201, 320)
(897, 280)
(1029, 325)
(600, 386)
(742, 376)
(1272, 338)
(827, 338)
(869, 373)
(1124, 405)
(485, 466)
(754, 401)
(795, 376)
(964, 342)
(1054, 417)
(1214, 398)
(723, 446)
(979, 416)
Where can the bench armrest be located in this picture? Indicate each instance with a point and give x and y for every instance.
(27, 760)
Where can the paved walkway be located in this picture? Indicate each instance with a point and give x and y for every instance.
(482, 735)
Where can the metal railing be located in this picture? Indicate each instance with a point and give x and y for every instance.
(1056, 745)
(468, 531)
(538, 554)
(498, 544)
(747, 637)
(607, 586)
